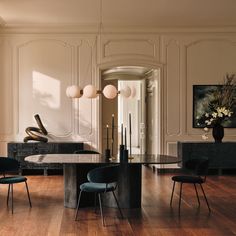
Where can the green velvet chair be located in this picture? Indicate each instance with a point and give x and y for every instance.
(199, 170)
(101, 181)
(9, 165)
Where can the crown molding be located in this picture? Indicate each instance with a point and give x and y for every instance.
(49, 28)
(111, 29)
(153, 29)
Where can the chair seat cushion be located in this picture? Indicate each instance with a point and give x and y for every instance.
(96, 187)
(188, 179)
(12, 179)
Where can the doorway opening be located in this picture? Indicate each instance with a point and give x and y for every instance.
(142, 84)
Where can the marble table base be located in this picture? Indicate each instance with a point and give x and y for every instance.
(128, 191)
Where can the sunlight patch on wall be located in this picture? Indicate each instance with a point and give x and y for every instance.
(46, 89)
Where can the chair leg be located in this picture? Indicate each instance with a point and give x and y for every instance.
(205, 198)
(173, 189)
(77, 208)
(197, 194)
(27, 189)
(95, 202)
(12, 198)
(100, 203)
(8, 192)
(180, 196)
(117, 203)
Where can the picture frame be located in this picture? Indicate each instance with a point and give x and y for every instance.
(201, 95)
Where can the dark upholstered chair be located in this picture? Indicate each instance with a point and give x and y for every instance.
(86, 152)
(199, 169)
(9, 165)
(101, 180)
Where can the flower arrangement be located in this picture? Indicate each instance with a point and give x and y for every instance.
(218, 115)
(219, 105)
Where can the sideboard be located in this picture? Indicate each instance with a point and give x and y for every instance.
(19, 150)
(222, 156)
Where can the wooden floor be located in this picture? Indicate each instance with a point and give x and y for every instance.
(49, 217)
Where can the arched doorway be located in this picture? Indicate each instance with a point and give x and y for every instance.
(144, 107)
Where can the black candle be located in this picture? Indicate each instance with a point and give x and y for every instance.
(112, 126)
(130, 132)
(112, 134)
(107, 137)
(125, 139)
(121, 134)
(130, 123)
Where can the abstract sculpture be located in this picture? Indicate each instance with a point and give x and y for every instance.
(35, 133)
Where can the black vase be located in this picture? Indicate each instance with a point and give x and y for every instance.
(218, 133)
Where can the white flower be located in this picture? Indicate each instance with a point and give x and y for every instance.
(214, 114)
(204, 137)
(208, 122)
(206, 115)
(206, 129)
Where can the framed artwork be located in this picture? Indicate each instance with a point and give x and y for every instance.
(203, 95)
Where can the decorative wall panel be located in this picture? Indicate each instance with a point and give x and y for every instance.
(130, 46)
(208, 61)
(6, 90)
(85, 75)
(173, 88)
(45, 70)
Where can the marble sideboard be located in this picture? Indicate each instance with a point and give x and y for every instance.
(222, 156)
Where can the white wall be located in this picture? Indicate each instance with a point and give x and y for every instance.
(36, 68)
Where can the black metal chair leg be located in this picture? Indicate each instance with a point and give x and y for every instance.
(180, 196)
(12, 198)
(197, 194)
(95, 202)
(100, 203)
(8, 192)
(77, 208)
(205, 198)
(173, 189)
(27, 189)
(117, 203)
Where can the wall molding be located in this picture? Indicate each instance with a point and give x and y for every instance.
(113, 29)
(174, 44)
(26, 43)
(190, 131)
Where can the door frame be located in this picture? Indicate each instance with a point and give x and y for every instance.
(160, 102)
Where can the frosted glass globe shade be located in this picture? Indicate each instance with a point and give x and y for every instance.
(110, 91)
(126, 91)
(73, 91)
(90, 91)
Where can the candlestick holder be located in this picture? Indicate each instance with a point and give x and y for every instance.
(125, 156)
(107, 153)
(122, 147)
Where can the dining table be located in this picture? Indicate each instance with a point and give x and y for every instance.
(76, 167)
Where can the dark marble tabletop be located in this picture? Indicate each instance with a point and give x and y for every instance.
(97, 158)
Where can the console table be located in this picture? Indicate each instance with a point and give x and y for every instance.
(221, 155)
(19, 150)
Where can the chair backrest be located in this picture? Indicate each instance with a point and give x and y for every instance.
(8, 165)
(86, 152)
(106, 174)
(199, 166)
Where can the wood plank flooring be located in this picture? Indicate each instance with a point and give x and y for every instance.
(49, 217)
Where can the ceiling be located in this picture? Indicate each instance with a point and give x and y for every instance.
(152, 13)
